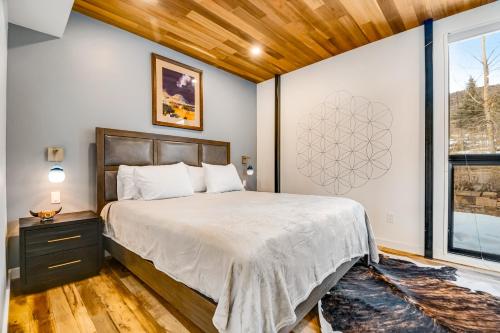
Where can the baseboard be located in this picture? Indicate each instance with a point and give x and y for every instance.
(401, 246)
(5, 314)
(15, 273)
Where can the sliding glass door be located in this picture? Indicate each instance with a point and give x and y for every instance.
(474, 146)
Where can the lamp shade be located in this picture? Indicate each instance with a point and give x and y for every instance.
(56, 174)
(249, 170)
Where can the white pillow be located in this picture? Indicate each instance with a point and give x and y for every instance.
(163, 181)
(125, 186)
(222, 178)
(197, 176)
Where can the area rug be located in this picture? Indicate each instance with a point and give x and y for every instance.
(402, 296)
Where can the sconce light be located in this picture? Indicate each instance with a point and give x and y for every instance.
(249, 170)
(56, 173)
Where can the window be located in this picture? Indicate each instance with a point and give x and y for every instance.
(474, 146)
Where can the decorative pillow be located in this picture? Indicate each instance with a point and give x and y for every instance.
(222, 178)
(197, 176)
(163, 181)
(125, 186)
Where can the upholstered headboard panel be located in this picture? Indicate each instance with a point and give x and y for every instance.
(117, 147)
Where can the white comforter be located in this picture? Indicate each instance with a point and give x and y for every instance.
(258, 255)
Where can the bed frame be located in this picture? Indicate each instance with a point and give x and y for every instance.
(116, 147)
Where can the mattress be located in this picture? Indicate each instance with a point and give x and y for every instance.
(258, 255)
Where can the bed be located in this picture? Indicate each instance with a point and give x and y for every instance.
(230, 262)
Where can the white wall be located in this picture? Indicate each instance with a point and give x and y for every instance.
(390, 71)
(3, 207)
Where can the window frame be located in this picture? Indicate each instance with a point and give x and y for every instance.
(466, 160)
(444, 31)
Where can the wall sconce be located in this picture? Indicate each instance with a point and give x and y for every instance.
(247, 168)
(56, 173)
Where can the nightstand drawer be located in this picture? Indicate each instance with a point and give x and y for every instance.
(61, 238)
(62, 266)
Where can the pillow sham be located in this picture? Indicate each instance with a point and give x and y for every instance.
(125, 186)
(163, 181)
(222, 178)
(197, 176)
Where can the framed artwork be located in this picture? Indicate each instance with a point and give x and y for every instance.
(177, 94)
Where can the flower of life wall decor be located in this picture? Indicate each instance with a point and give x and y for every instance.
(344, 142)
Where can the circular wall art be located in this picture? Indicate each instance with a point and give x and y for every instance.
(344, 142)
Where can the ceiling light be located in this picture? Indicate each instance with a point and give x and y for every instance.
(255, 50)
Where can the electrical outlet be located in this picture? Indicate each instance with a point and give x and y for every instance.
(390, 217)
(55, 197)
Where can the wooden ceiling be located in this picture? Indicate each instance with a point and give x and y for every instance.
(291, 33)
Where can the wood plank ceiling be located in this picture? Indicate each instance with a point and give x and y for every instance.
(291, 33)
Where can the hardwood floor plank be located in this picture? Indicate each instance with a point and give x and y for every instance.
(62, 317)
(161, 310)
(160, 313)
(310, 323)
(78, 309)
(121, 315)
(146, 320)
(20, 317)
(96, 309)
(41, 314)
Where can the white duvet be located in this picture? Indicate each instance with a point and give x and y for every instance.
(258, 255)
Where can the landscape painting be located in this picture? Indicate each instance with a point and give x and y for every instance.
(177, 94)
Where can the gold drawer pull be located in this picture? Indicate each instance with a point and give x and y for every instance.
(65, 264)
(63, 239)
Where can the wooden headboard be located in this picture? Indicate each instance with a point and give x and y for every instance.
(118, 147)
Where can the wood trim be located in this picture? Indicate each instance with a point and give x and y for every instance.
(111, 168)
(200, 154)
(99, 142)
(101, 133)
(292, 34)
(155, 57)
(429, 138)
(154, 136)
(277, 133)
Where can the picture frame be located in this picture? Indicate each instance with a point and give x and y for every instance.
(177, 92)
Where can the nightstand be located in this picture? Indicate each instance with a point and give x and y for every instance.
(61, 251)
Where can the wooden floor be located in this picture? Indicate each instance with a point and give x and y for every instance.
(113, 301)
(116, 301)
